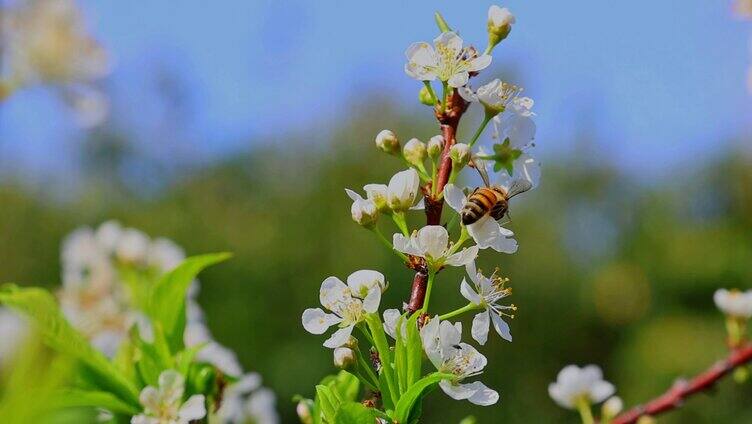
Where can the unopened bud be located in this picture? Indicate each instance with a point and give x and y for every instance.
(612, 407)
(304, 413)
(741, 375)
(646, 419)
(388, 142)
(435, 146)
(415, 152)
(425, 97)
(500, 22)
(344, 357)
(460, 155)
(364, 212)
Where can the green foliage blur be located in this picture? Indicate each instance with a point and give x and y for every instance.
(611, 270)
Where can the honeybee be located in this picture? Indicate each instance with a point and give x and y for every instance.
(491, 200)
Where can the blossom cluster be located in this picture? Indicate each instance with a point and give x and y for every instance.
(104, 271)
(45, 42)
(452, 239)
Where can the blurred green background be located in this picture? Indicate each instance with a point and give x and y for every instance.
(610, 271)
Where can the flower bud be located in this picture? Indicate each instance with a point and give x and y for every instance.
(612, 407)
(304, 413)
(460, 155)
(344, 357)
(388, 142)
(500, 22)
(415, 152)
(364, 212)
(435, 146)
(425, 97)
(403, 190)
(351, 343)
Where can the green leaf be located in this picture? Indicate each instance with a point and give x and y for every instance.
(414, 351)
(354, 413)
(57, 333)
(167, 298)
(382, 346)
(326, 403)
(346, 385)
(72, 398)
(416, 392)
(441, 22)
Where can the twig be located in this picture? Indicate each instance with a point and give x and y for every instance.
(449, 118)
(675, 396)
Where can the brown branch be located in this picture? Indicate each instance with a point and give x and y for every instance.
(449, 120)
(675, 396)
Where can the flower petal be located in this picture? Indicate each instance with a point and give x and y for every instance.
(433, 240)
(463, 257)
(353, 195)
(339, 337)
(483, 395)
(501, 327)
(405, 245)
(193, 409)
(481, 324)
(391, 318)
(457, 391)
(372, 300)
(316, 321)
(480, 62)
(459, 79)
(469, 293)
(454, 197)
(333, 293)
(361, 281)
(488, 233)
(467, 94)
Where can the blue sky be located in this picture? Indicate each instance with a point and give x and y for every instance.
(658, 82)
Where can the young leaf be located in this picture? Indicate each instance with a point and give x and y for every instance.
(414, 351)
(415, 392)
(354, 413)
(326, 403)
(167, 299)
(42, 309)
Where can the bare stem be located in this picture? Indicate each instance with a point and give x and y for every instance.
(681, 390)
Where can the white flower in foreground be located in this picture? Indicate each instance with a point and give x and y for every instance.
(402, 191)
(432, 243)
(575, 384)
(734, 302)
(441, 341)
(516, 123)
(448, 61)
(349, 303)
(164, 404)
(496, 96)
(486, 231)
(486, 294)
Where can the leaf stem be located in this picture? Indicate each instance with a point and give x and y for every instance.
(429, 87)
(388, 244)
(429, 287)
(583, 406)
(486, 119)
(399, 220)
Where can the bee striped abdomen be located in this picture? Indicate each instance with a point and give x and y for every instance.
(480, 202)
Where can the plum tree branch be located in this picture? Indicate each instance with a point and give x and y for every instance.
(682, 389)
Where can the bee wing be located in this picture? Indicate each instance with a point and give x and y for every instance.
(518, 186)
(480, 166)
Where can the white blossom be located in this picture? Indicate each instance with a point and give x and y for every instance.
(734, 302)
(432, 243)
(164, 254)
(391, 320)
(613, 406)
(486, 231)
(487, 292)
(497, 95)
(447, 60)
(164, 404)
(349, 303)
(224, 359)
(13, 331)
(575, 384)
(402, 191)
(435, 146)
(441, 342)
